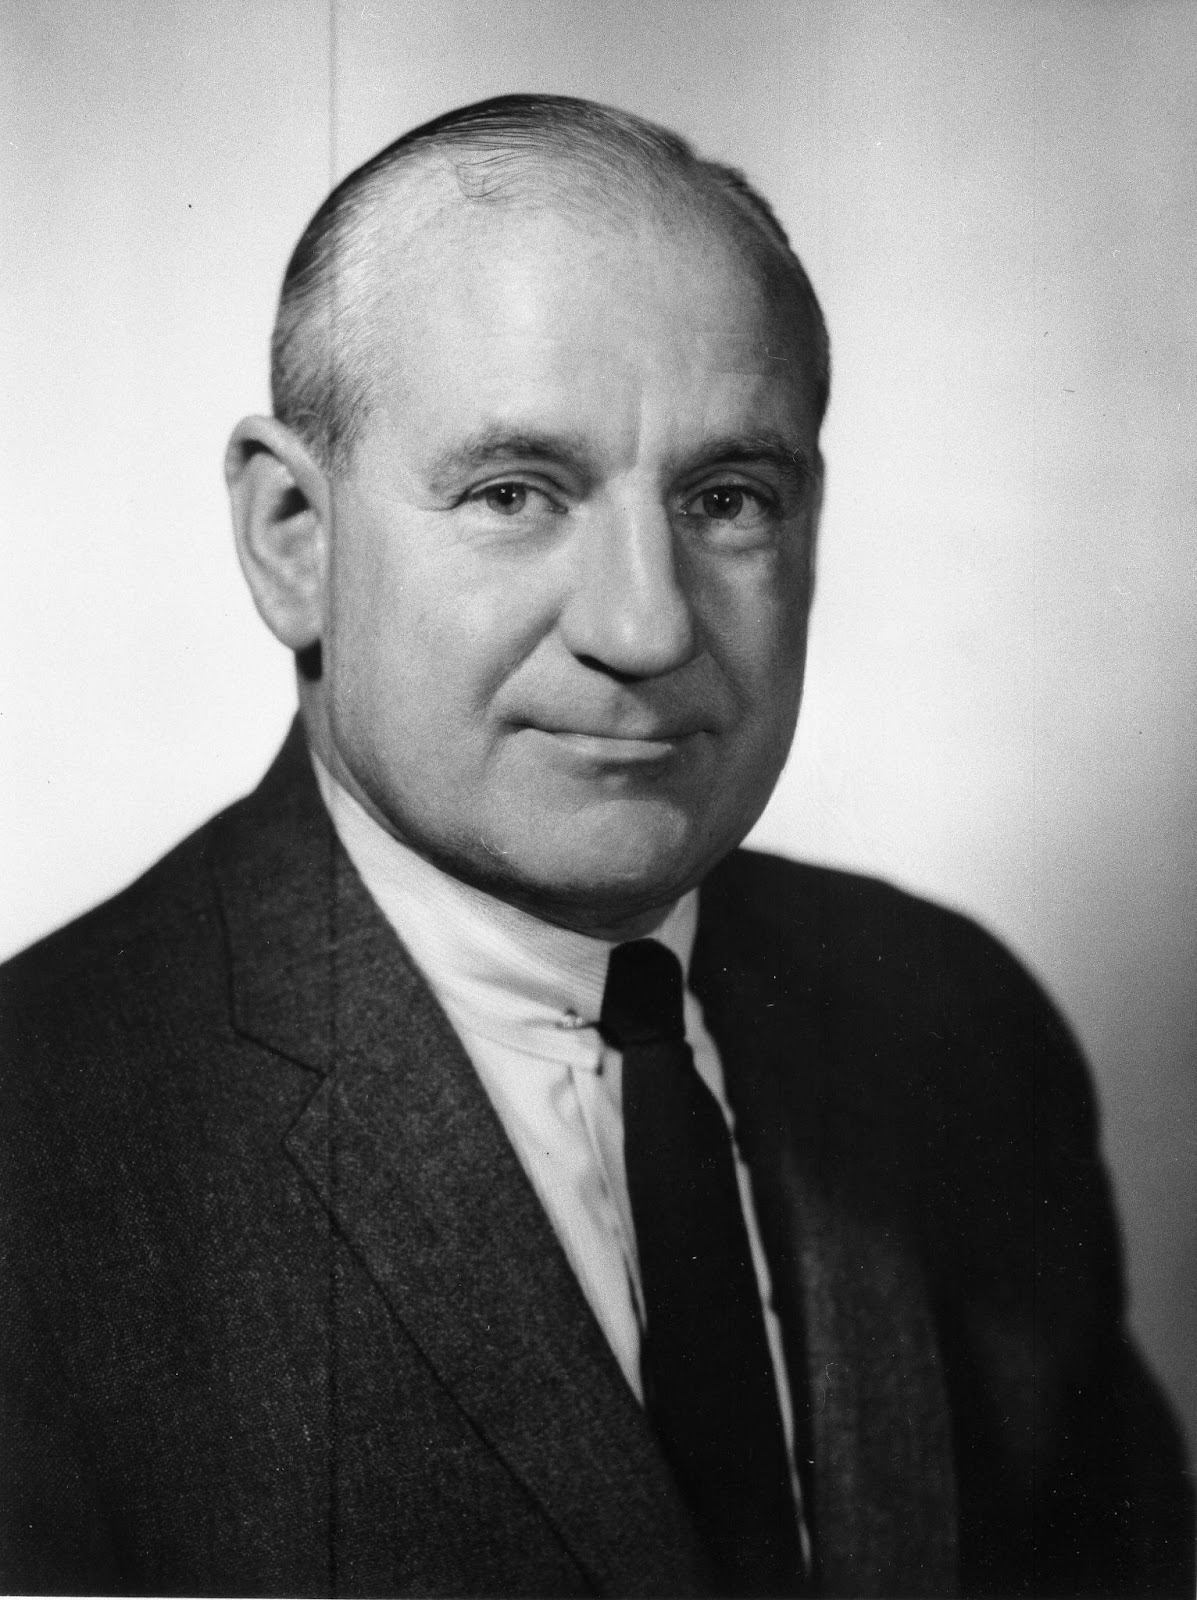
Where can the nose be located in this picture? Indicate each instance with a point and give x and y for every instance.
(629, 612)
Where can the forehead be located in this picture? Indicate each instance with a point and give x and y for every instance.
(546, 308)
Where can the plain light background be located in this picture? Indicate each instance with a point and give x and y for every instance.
(996, 203)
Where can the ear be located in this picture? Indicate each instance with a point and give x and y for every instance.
(280, 500)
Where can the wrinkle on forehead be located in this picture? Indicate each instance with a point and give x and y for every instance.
(472, 261)
(446, 278)
(430, 212)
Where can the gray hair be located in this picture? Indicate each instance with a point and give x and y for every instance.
(497, 149)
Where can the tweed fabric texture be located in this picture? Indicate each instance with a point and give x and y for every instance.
(280, 1314)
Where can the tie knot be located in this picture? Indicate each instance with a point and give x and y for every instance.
(642, 1001)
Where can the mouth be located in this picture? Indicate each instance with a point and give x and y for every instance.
(618, 750)
(608, 747)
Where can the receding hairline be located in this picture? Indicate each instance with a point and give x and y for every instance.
(412, 199)
(574, 157)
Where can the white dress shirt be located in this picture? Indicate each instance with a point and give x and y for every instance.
(524, 998)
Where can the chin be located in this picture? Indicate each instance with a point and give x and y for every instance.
(606, 867)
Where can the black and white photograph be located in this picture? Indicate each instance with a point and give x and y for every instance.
(598, 797)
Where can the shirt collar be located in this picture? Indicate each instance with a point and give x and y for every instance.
(498, 971)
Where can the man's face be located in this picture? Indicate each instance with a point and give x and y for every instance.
(571, 560)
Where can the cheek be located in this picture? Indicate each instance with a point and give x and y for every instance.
(755, 621)
(428, 634)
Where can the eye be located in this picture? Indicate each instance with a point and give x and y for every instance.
(514, 499)
(732, 505)
(508, 499)
(722, 504)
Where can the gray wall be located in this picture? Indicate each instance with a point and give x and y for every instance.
(996, 203)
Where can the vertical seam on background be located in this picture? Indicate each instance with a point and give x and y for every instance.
(333, 1345)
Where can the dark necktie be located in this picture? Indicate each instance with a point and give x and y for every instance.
(707, 1375)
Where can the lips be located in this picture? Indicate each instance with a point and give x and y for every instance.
(593, 750)
(665, 713)
(618, 735)
(609, 747)
(621, 730)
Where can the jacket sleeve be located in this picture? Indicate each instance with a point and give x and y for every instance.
(54, 1536)
(1072, 1469)
(1113, 1500)
(54, 1531)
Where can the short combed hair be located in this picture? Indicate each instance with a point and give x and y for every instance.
(507, 148)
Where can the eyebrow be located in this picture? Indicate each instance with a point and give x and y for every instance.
(768, 448)
(498, 444)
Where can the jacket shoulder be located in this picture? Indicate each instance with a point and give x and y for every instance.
(926, 1043)
(132, 928)
(128, 1009)
(150, 934)
(859, 936)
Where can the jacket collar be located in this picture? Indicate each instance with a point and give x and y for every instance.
(403, 1147)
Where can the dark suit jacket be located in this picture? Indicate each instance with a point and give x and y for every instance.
(281, 1315)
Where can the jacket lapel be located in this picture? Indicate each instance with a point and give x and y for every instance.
(401, 1144)
(868, 1389)
(403, 1148)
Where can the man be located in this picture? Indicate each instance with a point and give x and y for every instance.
(390, 1217)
